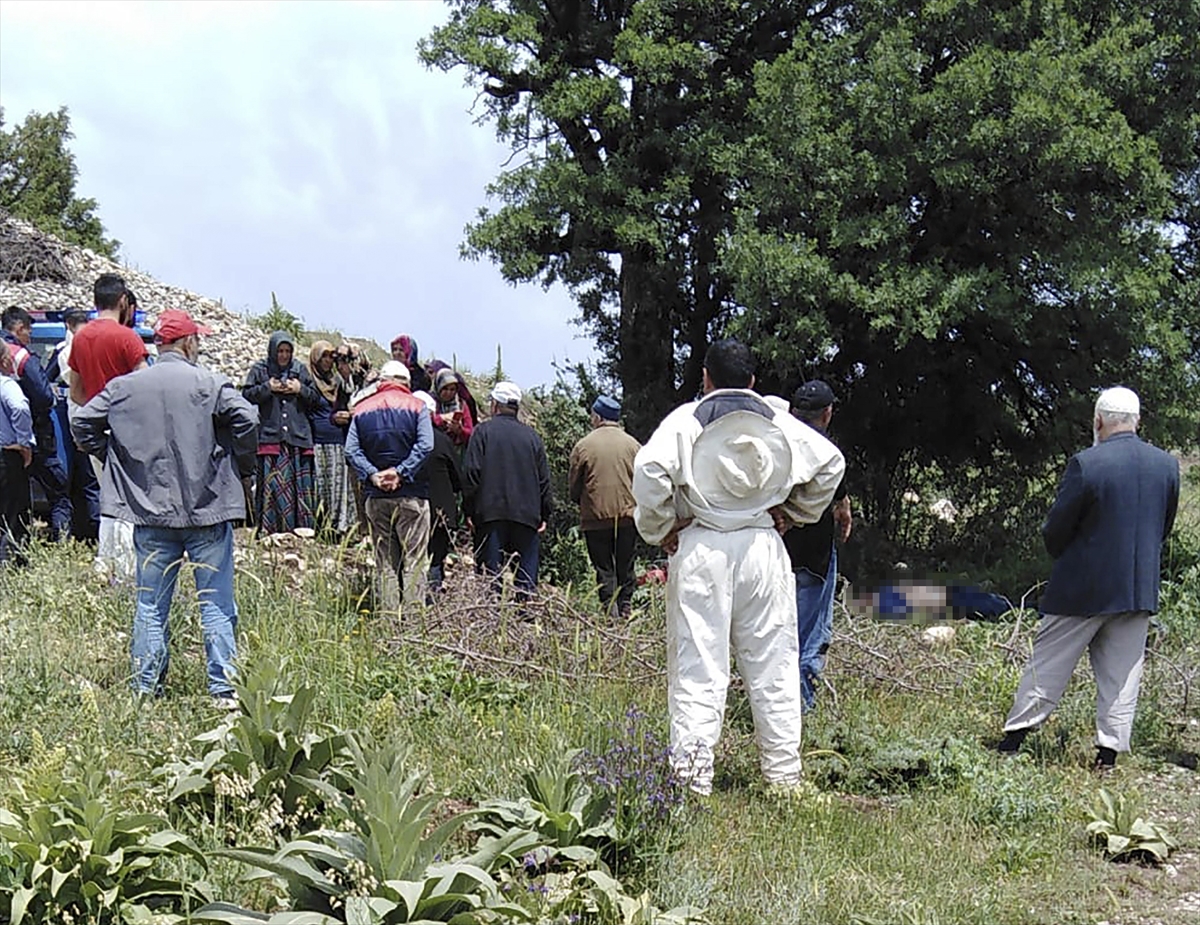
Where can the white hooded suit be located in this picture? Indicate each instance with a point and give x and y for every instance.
(726, 461)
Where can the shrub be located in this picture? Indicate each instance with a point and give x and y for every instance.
(265, 760)
(68, 851)
(634, 769)
(277, 318)
(1123, 834)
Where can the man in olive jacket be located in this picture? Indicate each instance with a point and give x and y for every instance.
(1115, 507)
(175, 439)
(601, 482)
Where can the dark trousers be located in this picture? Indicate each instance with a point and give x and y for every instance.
(48, 471)
(14, 506)
(611, 552)
(504, 538)
(85, 499)
(439, 548)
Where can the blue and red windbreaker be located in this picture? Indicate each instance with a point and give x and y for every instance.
(391, 429)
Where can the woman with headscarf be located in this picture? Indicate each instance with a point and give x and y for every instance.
(433, 367)
(330, 419)
(283, 391)
(453, 415)
(404, 349)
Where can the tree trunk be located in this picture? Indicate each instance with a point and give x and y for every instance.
(647, 356)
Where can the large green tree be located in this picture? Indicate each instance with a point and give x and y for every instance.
(970, 216)
(621, 115)
(37, 181)
(967, 215)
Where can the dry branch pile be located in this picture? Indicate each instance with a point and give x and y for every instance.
(28, 257)
(38, 271)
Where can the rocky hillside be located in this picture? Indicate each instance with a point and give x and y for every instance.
(38, 271)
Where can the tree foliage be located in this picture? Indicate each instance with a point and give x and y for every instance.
(620, 114)
(967, 216)
(37, 181)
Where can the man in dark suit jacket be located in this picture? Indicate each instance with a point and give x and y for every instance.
(1115, 507)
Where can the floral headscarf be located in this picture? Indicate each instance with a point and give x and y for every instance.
(408, 349)
(329, 384)
(359, 363)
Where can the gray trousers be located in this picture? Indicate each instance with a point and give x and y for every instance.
(1116, 646)
(400, 534)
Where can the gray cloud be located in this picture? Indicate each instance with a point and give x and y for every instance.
(240, 148)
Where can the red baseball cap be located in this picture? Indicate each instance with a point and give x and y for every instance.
(175, 323)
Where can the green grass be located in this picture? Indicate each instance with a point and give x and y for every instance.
(918, 821)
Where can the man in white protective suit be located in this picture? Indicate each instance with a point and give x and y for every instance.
(716, 486)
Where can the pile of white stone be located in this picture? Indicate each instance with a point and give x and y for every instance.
(232, 349)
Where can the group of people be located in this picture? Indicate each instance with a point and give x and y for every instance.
(75, 371)
(722, 486)
(391, 451)
(327, 445)
(743, 492)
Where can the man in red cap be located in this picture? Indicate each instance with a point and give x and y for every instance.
(176, 439)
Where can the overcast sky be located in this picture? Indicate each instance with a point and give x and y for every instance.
(240, 148)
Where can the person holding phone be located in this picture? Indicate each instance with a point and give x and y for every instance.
(283, 391)
(453, 415)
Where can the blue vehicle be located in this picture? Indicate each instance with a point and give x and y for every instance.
(47, 331)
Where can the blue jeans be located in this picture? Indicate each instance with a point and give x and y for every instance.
(814, 620)
(159, 555)
(503, 538)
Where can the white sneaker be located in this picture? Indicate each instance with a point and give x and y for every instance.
(226, 701)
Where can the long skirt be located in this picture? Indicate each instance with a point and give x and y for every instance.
(285, 498)
(335, 493)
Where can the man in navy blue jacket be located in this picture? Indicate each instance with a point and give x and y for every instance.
(1115, 507)
(390, 437)
(508, 488)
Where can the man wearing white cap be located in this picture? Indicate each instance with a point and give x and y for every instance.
(1115, 507)
(508, 488)
(715, 486)
(390, 437)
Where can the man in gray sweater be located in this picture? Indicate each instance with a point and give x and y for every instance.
(176, 438)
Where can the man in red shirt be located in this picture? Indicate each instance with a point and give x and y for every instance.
(105, 348)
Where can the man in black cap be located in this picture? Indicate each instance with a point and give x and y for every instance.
(813, 552)
(601, 483)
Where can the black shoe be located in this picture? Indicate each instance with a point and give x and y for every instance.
(1011, 743)
(1106, 759)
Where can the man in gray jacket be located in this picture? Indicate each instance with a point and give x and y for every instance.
(176, 438)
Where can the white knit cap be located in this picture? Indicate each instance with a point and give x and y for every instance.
(430, 401)
(1118, 400)
(394, 369)
(506, 393)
